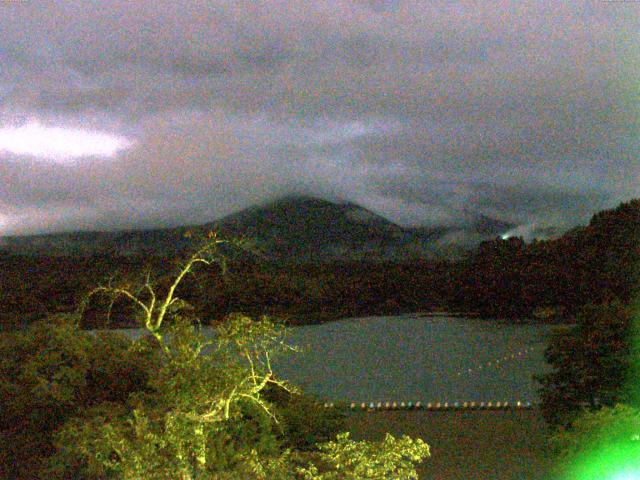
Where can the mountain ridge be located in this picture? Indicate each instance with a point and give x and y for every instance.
(291, 228)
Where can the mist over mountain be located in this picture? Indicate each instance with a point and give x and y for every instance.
(293, 228)
(336, 260)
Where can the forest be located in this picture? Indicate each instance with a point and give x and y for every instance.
(83, 405)
(508, 279)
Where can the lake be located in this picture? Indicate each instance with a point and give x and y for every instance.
(410, 358)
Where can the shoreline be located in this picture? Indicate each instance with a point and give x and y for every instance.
(320, 318)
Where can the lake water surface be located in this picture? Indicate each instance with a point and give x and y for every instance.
(410, 358)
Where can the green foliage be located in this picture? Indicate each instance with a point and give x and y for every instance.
(303, 421)
(207, 414)
(590, 363)
(203, 412)
(51, 372)
(175, 404)
(344, 459)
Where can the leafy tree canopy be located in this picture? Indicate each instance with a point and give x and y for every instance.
(179, 403)
(590, 363)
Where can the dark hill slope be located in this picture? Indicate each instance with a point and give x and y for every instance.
(591, 264)
(305, 228)
(605, 255)
(292, 229)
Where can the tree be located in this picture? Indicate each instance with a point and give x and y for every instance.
(206, 412)
(344, 459)
(590, 363)
(203, 413)
(51, 372)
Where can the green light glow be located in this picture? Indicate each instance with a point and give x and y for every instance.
(628, 475)
(617, 462)
(604, 444)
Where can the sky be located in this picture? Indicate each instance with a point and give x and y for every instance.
(120, 114)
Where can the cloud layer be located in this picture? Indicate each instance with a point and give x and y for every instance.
(418, 110)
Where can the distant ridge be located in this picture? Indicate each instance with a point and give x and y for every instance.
(312, 229)
(293, 228)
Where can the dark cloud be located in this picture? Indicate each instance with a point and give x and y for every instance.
(421, 111)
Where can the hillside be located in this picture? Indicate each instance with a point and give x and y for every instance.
(590, 264)
(310, 229)
(294, 228)
(500, 278)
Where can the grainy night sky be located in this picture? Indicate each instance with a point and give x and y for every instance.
(122, 114)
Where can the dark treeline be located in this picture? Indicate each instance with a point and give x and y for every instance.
(35, 287)
(501, 278)
(589, 265)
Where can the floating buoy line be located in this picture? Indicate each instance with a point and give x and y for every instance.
(379, 406)
(441, 406)
(468, 405)
(499, 362)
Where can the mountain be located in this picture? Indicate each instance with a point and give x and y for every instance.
(293, 228)
(490, 227)
(309, 228)
(89, 243)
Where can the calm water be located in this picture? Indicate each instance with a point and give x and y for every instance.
(409, 358)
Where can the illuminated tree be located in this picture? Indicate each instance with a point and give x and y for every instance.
(51, 372)
(206, 412)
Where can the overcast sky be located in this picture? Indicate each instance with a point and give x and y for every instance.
(122, 114)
